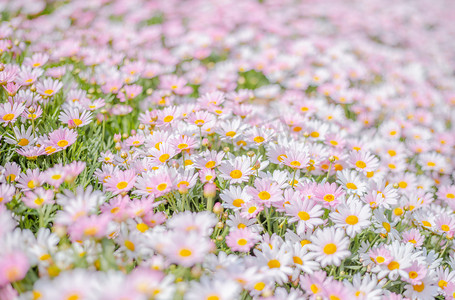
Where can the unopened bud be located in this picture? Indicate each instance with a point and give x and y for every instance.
(205, 142)
(33, 88)
(209, 190)
(183, 189)
(220, 225)
(175, 164)
(306, 134)
(196, 271)
(332, 158)
(396, 185)
(2, 67)
(141, 126)
(217, 208)
(149, 91)
(219, 238)
(124, 155)
(125, 135)
(31, 109)
(118, 147)
(250, 153)
(226, 149)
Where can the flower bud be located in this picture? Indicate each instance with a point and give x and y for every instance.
(209, 190)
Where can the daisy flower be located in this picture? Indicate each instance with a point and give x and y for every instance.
(75, 118)
(425, 290)
(352, 182)
(296, 159)
(236, 170)
(121, 182)
(48, 87)
(402, 256)
(7, 192)
(329, 246)
(276, 262)
(366, 287)
(329, 194)
(13, 267)
(363, 161)
(186, 249)
(59, 139)
(201, 223)
(241, 240)
(213, 289)
(38, 198)
(303, 262)
(30, 180)
(230, 130)
(21, 137)
(10, 112)
(306, 213)
(234, 197)
(265, 191)
(209, 159)
(352, 216)
(251, 209)
(162, 155)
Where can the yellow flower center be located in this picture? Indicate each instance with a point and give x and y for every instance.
(23, 142)
(121, 185)
(419, 287)
(264, 195)
(329, 198)
(297, 260)
(259, 286)
(185, 252)
(242, 242)
(182, 146)
(48, 91)
(62, 143)
(360, 164)
(168, 119)
(8, 117)
(238, 202)
(236, 174)
(351, 186)
(259, 139)
(130, 245)
(380, 259)
(393, 265)
(142, 227)
(273, 263)
(295, 163)
(164, 157)
(161, 187)
(303, 215)
(230, 133)
(77, 122)
(210, 164)
(330, 249)
(352, 220)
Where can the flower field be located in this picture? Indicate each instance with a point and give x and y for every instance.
(218, 150)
